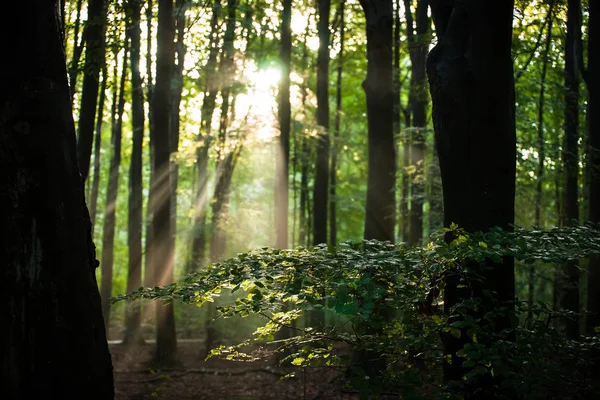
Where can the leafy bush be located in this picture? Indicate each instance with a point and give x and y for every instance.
(386, 301)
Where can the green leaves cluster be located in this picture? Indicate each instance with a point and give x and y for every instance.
(386, 299)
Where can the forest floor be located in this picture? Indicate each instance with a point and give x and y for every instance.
(217, 379)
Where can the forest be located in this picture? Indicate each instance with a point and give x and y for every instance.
(330, 199)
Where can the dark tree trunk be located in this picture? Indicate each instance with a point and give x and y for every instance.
(285, 115)
(472, 89)
(321, 185)
(541, 156)
(336, 131)
(94, 60)
(378, 86)
(148, 259)
(398, 108)
(593, 85)
(567, 285)
(418, 99)
(304, 228)
(177, 88)
(77, 50)
(133, 315)
(95, 187)
(112, 189)
(52, 341)
(205, 138)
(162, 233)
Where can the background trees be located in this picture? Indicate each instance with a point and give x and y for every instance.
(227, 142)
(53, 339)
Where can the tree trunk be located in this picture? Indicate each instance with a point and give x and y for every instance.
(285, 115)
(52, 341)
(321, 185)
(541, 156)
(95, 188)
(336, 132)
(162, 233)
(133, 315)
(77, 50)
(419, 48)
(378, 86)
(112, 189)
(567, 284)
(94, 60)
(593, 86)
(472, 89)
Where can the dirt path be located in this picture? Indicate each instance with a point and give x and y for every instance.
(216, 379)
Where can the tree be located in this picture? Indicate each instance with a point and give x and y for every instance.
(162, 235)
(285, 115)
(472, 89)
(592, 80)
(321, 185)
(53, 342)
(133, 317)
(94, 60)
(112, 188)
(378, 87)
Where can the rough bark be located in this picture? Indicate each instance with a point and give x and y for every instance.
(112, 189)
(472, 89)
(52, 341)
(162, 233)
(285, 118)
(321, 184)
(133, 315)
(94, 60)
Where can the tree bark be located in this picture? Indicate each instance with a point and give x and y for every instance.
(94, 60)
(285, 116)
(472, 89)
(162, 233)
(593, 86)
(378, 86)
(95, 187)
(52, 341)
(204, 139)
(112, 188)
(567, 284)
(133, 314)
(321, 184)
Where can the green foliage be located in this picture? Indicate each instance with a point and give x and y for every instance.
(386, 299)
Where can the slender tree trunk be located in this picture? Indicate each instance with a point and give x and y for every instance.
(567, 285)
(593, 86)
(52, 341)
(472, 91)
(133, 314)
(541, 155)
(162, 232)
(285, 115)
(321, 185)
(95, 187)
(336, 132)
(77, 51)
(304, 220)
(177, 88)
(112, 189)
(398, 108)
(148, 264)
(204, 139)
(419, 48)
(94, 61)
